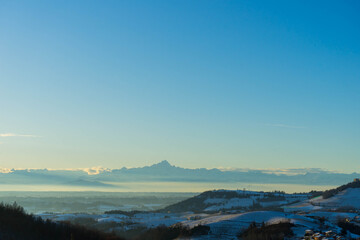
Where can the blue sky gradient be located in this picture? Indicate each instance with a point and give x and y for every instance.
(248, 84)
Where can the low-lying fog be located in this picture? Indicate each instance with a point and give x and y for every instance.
(124, 196)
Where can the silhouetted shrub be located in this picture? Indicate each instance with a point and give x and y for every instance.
(199, 230)
(173, 232)
(278, 231)
(348, 226)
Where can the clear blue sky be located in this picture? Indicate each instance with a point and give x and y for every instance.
(247, 84)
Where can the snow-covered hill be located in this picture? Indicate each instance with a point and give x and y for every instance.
(348, 199)
(220, 200)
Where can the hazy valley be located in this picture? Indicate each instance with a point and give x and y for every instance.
(216, 214)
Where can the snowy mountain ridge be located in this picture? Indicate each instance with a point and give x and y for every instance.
(165, 172)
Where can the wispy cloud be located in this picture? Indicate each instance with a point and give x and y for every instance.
(16, 135)
(95, 170)
(6, 170)
(284, 126)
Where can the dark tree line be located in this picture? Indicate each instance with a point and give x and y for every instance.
(16, 224)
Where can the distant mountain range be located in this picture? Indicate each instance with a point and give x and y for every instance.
(165, 172)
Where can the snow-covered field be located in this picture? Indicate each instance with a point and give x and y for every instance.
(222, 226)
